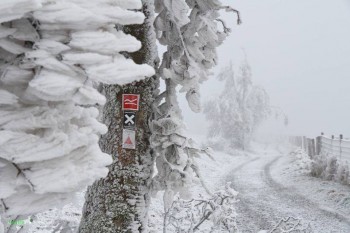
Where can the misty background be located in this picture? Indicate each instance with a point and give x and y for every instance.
(299, 51)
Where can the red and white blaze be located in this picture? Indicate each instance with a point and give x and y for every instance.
(131, 102)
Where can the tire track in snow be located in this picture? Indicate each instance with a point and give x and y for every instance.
(249, 220)
(242, 165)
(298, 199)
(263, 201)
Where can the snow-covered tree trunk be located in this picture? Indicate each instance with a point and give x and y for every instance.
(119, 202)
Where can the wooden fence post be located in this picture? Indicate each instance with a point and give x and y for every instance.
(313, 148)
(305, 147)
(309, 147)
(318, 145)
(300, 141)
(340, 149)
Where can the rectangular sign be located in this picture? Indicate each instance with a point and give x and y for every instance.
(131, 102)
(129, 120)
(129, 139)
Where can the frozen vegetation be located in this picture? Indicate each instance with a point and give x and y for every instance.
(63, 64)
(53, 56)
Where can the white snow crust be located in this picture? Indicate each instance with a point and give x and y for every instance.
(49, 130)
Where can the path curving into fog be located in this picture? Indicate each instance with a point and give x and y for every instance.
(264, 201)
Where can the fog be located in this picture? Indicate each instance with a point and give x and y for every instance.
(299, 51)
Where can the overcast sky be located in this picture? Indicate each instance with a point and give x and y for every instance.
(299, 51)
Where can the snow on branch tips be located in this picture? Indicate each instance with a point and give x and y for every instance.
(291, 224)
(53, 53)
(191, 32)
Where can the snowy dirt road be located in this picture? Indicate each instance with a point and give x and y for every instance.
(265, 198)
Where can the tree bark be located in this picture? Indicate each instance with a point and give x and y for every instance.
(119, 202)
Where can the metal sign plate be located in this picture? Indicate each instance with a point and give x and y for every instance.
(129, 120)
(131, 102)
(129, 139)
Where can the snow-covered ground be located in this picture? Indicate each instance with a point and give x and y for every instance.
(275, 184)
(59, 220)
(212, 172)
(326, 203)
(272, 184)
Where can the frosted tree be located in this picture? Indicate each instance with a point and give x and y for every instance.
(53, 54)
(191, 31)
(239, 110)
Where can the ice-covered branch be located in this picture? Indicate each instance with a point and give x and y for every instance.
(216, 213)
(21, 172)
(230, 9)
(291, 224)
(189, 30)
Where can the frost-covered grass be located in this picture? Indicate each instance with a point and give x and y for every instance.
(302, 161)
(330, 168)
(295, 171)
(323, 166)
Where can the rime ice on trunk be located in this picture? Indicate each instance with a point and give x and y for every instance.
(119, 202)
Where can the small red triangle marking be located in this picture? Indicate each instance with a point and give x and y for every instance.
(128, 141)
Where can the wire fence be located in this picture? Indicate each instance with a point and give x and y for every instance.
(330, 146)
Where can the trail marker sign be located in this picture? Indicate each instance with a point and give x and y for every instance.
(129, 120)
(129, 139)
(131, 102)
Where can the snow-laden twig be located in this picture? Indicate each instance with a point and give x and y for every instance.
(198, 173)
(21, 172)
(230, 9)
(217, 213)
(291, 225)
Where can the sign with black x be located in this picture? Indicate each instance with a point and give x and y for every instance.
(129, 119)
